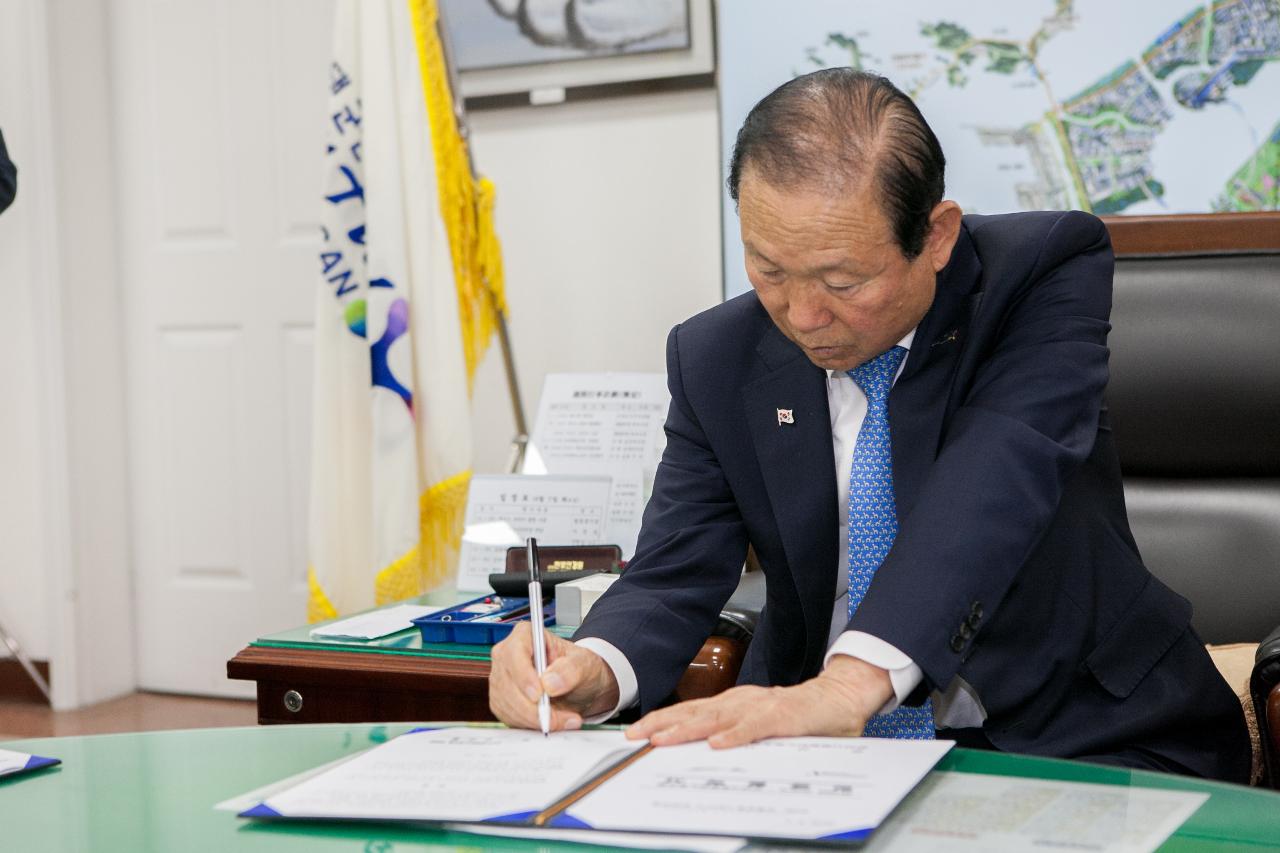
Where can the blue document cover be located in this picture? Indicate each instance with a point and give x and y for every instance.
(14, 763)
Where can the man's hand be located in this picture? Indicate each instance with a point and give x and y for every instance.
(838, 702)
(578, 681)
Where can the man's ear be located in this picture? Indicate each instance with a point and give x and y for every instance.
(944, 230)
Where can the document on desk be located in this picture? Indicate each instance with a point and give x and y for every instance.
(453, 774)
(836, 789)
(811, 788)
(374, 624)
(953, 812)
(632, 841)
(13, 763)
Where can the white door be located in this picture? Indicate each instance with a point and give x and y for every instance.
(219, 110)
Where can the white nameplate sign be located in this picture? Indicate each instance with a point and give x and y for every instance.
(504, 509)
(604, 423)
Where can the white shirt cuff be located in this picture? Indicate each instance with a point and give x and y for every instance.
(628, 691)
(904, 675)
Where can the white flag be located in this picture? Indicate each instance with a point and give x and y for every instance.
(402, 315)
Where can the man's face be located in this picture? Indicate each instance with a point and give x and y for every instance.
(827, 269)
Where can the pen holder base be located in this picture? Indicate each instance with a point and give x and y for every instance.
(481, 621)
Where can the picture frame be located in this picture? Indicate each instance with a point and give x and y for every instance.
(547, 82)
(1000, 101)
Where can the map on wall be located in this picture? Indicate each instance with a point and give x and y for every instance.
(1134, 107)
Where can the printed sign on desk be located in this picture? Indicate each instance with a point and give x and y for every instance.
(604, 423)
(504, 509)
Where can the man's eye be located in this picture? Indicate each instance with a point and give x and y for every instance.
(772, 275)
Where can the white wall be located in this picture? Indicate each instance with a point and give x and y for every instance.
(609, 216)
(95, 611)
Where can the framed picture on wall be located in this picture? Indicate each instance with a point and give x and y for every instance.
(540, 51)
(1161, 117)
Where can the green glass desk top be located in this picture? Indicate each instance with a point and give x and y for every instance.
(407, 642)
(156, 791)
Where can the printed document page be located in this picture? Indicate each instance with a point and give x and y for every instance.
(503, 509)
(604, 423)
(801, 788)
(953, 812)
(455, 774)
(374, 624)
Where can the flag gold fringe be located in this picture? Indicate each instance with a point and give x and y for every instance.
(319, 607)
(427, 565)
(466, 202)
(440, 514)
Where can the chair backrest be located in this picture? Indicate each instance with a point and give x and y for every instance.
(1195, 406)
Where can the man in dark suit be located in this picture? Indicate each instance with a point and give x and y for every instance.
(952, 559)
(8, 177)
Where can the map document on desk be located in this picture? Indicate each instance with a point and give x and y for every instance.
(959, 812)
(814, 789)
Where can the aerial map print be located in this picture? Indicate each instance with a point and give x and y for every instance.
(1130, 107)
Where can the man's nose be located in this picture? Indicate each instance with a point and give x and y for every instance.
(805, 311)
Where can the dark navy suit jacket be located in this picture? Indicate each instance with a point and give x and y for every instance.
(8, 177)
(1014, 567)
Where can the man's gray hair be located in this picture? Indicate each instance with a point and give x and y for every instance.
(835, 128)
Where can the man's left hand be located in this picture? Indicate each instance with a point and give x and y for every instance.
(838, 702)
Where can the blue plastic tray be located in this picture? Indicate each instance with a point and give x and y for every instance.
(481, 621)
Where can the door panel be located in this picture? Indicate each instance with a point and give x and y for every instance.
(220, 113)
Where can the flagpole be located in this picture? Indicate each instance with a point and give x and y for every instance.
(520, 443)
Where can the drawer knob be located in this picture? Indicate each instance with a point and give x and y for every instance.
(293, 701)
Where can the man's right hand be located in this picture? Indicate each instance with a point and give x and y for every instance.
(578, 681)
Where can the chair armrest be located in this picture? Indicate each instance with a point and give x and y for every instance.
(714, 669)
(1264, 688)
(1271, 744)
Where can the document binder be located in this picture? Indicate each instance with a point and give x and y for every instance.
(15, 763)
(789, 789)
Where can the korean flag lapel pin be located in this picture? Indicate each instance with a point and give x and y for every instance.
(786, 416)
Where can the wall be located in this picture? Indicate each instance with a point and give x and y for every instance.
(96, 609)
(608, 212)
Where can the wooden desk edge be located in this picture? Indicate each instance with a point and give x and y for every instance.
(300, 685)
(253, 663)
(314, 685)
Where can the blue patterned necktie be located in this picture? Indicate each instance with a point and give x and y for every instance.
(873, 520)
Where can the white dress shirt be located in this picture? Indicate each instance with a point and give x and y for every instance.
(958, 706)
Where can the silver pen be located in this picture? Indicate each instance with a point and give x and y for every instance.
(539, 638)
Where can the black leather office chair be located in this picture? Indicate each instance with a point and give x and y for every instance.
(1195, 404)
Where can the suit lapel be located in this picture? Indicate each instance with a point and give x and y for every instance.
(799, 474)
(918, 401)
